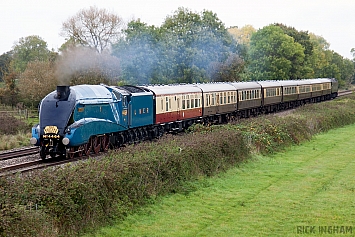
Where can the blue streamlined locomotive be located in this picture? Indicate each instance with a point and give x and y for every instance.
(78, 120)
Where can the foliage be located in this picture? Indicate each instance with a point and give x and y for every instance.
(93, 27)
(28, 49)
(36, 82)
(189, 47)
(327, 63)
(5, 60)
(303, 38)
(68, 200)
(242, 35)
(9, 93)
(139, 52)
(195, 41)
(274, 55)
(9, 125)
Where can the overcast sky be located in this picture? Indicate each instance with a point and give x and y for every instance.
(332, 19)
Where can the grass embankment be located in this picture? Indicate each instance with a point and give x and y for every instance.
(14, 132)
(309, 185)
(72, 199)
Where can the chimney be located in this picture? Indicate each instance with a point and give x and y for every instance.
(62, 92)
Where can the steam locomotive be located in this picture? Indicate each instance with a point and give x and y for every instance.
(84, 119)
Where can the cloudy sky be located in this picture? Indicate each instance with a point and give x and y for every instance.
(332, 19)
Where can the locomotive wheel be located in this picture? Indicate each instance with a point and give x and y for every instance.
(81, 150)
(71, 153)
(105, 142)
(96, 145)
(87, 148)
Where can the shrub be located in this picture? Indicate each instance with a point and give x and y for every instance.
(11, 125)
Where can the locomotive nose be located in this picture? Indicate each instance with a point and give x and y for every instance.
(63, 92)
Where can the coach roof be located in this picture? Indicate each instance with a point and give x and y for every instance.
(173, 89)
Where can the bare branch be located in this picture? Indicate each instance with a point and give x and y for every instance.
(93, 27)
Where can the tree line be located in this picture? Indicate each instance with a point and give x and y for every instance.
(189, 47)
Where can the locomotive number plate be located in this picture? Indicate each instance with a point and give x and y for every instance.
(51, 129)
(124, 112)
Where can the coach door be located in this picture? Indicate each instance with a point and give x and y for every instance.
(217, 103)
(178, 109)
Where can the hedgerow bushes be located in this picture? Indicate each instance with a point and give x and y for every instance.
(13, 132)
(74, 198)
(11, 125)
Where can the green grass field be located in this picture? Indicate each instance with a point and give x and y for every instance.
(307, 190)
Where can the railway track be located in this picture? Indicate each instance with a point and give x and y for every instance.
(34, 165)
(18, 153)
(345, 92)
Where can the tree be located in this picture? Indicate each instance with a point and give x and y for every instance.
(189, 47)
(274, 55)
(29, 49)
(303, 38)
(229, 70)
(5, 60)
(242, 35)
(138, 52)
(327, 63)
(93, 27)
(36, 81)
(194, 42)
(9, 92)
(352, 51)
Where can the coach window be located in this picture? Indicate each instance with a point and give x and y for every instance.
(303, 89)
(187, 102)
(183, 102)
(192, 101)
(162, 104)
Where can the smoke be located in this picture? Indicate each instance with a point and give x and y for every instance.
(77, 62)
